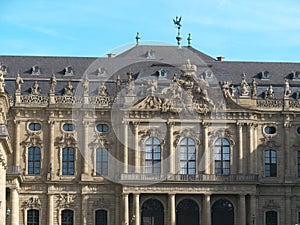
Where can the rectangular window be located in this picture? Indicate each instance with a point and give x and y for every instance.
(34, 160)
(298, 162)
(102, 161)
(33, 217)
(68, 161)
(270, 163)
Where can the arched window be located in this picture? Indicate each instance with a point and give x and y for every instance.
(153, 155)
(33, 217)
(222, 157)
(152, 212)
(270, 163)
(187, 156)
(34, 160)
(187, 212)
(68, 161)
(222, 213)
(102, 161)
(101, 217)
(271, 218)
(67, 217)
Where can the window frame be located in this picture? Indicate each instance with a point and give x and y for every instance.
(27, 222)
(68, 125)
(151, 168)
(34, 161)
(61, 216)
(269, 164)
(102, 130)
(68, 161)
(34, 125)
(101, 209)
(101, 162)
(186, 159)
(277, 217)
(222, 161)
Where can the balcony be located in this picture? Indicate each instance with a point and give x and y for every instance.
(14, 170)
(143, 177)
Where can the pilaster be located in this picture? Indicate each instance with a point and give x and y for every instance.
(172, 207)
(125, 147)
(206, 210)
(136, 205)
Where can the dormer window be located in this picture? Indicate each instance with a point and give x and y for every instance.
(35, 70)
(295, 75)
(101, 71)
(69, 71)
(3, 68)
(150, 54)
(162, 73)
(264, 75)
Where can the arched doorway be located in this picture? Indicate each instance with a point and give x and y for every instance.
(187, 212)
(222, 213)
(152, 212)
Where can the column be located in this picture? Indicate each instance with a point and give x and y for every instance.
(241, 153)
(84, 209)
(125, 209)
(51, 150)
(50, 209)
(172, 153)
(253, 210)
(251, 149)
(172, 208)
(136, 205)
(136, 148)
(288, 206)
(256, 164)
(242, 207)
(125, 146)
(287, 158)
(85, 149)
(14, 215)
(206, 210)
(2, 190)
(17, 143)
(206, 154)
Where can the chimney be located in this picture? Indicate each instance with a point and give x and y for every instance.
(111, 55)
(221, 58)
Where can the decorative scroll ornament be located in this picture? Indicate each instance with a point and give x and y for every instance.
(100, 141)
(221, 133)
(35, 89)
(99, 202)
(271, 204)
(32, 139)
(33, 202)
(67, 139)
(155, 103)
(2, 160)
(153, 132)
(102, 90)
(186, 133)
(65, 200)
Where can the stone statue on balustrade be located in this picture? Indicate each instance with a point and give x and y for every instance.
(18, 83)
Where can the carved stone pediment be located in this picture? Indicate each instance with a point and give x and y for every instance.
(154, 103)
(32, 202)
(67, 139)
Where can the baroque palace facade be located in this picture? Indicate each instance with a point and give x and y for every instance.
(155, 135)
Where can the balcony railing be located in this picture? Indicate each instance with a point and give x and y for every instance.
(14, 170)
(189, 177)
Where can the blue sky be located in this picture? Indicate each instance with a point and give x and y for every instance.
(250, 30)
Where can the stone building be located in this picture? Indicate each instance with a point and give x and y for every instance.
(155, 135)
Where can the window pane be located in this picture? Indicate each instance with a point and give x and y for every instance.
(152, 155)
(32, 217)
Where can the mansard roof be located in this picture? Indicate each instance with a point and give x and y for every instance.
(144, 60)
